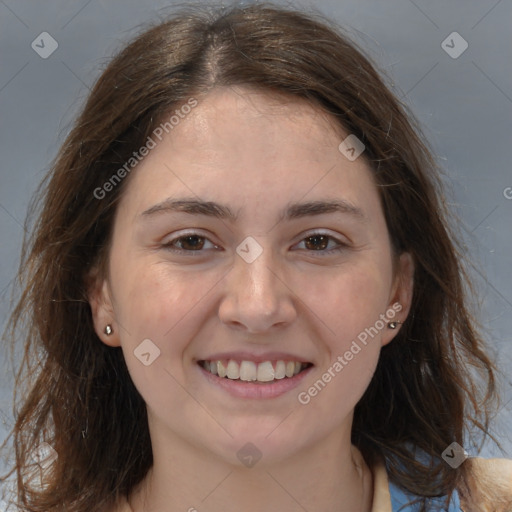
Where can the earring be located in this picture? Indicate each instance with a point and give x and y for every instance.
(108, 330)
(393, 325)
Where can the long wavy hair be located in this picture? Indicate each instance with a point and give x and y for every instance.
(433, 384)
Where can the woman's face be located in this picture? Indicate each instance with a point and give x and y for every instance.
(247, 242)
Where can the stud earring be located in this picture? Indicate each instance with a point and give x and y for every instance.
(108, 330)
(394, 325)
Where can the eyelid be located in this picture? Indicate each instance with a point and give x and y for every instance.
(325, 232)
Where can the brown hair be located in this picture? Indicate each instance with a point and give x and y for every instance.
(79, 396)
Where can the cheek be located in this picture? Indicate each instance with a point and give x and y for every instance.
(152, 300)
(349, 300)
(163, 307)
(334, 394)
(157, 305)
(352, 307)
(349, 304)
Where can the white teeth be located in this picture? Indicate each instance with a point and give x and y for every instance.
(220, 369)
(249, 371)
(280, 372)
(266, 372)
(233, 370)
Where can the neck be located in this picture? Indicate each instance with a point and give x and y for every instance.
(330, 476)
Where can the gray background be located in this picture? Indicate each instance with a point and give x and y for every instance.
(464, 105)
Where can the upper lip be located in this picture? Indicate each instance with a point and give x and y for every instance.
(256, 358)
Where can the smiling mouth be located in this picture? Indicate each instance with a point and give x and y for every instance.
(249, 371)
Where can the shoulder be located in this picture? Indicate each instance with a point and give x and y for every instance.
(488, 486)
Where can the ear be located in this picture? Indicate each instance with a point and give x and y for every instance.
(102, 310)
(401, 296)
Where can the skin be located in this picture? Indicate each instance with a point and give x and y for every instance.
(256, 154)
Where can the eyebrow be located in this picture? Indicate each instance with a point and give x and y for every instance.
(292, 211)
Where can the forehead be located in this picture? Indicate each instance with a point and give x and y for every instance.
(226, 116)
(242, 143)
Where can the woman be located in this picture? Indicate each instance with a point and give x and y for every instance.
(242, 293)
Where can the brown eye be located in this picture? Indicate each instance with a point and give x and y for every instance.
(191, 242)
(322, 243)
(317, 242)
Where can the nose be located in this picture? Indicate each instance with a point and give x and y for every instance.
(257, 298)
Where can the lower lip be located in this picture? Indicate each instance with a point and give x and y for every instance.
(264, 390)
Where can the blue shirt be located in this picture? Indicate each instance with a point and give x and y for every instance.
(400, 502)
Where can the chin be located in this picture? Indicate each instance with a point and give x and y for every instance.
(251, 446)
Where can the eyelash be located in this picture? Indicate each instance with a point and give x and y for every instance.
(340, 247)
